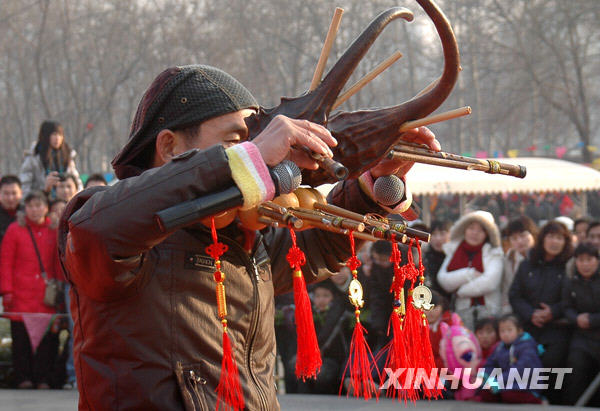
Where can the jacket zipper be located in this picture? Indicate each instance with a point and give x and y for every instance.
(251, 266)
(192, 381)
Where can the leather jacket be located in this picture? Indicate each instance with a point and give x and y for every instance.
(147, 334)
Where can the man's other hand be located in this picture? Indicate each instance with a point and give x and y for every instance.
(276, 142)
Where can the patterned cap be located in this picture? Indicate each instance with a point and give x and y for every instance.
(179, 97)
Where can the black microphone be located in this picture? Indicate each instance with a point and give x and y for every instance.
(388, 190)
(286, 177)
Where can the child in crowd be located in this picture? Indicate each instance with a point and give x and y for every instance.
(57, 207)
(581, 304)
(94, 180)
(440, 312)
(66, 188)
(486, 331)
(516, 351)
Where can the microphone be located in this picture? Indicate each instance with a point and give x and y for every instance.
(388, 190)
(286, 177)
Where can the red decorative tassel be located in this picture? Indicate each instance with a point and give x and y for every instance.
(427, 362)
(360, 362)
(412, 337)
(229, 389)
(396, 350)
(308, 355)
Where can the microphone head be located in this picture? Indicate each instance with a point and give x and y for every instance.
(388, 190)
(286, 176)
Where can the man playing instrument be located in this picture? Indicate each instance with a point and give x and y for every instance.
(147, 334)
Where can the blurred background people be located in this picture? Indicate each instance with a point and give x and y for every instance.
(593, 234)
(50, 157)
(328, 315)
(518, 351)
(521, 233)
(10, 198)
(581, 304)
(95, 179)
(472, 269)
(580, 227)
(433, 254)
(536, 291)
(23, 285)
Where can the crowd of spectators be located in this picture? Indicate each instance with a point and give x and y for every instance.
(530, 294)
(31, 204)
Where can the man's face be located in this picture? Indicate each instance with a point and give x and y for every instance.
(65, 190)
(10, 196)
(593, 236)
(227, 130)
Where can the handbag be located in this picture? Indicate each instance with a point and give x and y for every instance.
(54, 294)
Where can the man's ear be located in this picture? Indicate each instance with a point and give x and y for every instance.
(165, 144)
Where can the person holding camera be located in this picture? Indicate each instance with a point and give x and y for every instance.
(50, 158)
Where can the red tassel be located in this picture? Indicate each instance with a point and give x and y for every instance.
(361, 364)
(308, 354)
(428, 363)
(412, 337)
(395, 352)
(397, 357)
(229, 390)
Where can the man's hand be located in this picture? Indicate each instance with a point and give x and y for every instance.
(51, 181)
(546, 313)
(419, 135)
(583, 320)
(276, 141)
(536, 318)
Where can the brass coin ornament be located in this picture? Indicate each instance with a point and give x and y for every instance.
(355, 293)
(422, 298)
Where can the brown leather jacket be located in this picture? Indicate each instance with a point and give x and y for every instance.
(147, 334)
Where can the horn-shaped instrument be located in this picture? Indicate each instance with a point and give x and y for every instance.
(357, 131)
(314, 212)
(422, 154)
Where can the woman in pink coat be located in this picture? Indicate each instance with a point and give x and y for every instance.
(23, 286)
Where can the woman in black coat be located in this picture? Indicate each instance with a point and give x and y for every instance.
(536, 291)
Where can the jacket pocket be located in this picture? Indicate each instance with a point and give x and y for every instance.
(192, 386)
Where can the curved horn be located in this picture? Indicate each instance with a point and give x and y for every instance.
(357, 131)
(425, 104)
(316, 105)
(336, 78)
